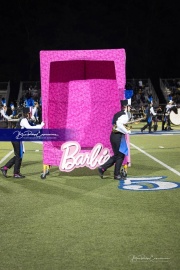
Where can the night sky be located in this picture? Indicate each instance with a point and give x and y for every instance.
(147, 30)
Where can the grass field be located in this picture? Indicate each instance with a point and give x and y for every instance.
(78, 221)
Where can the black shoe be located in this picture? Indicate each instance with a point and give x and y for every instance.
(123, 174)
(19, 175)
(118, 177)
(4, 172)
(101, 172)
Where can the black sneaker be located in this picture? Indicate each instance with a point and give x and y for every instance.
(4, 172)
(19, 175)
(123, 174)
(101, 172)
(117, 177)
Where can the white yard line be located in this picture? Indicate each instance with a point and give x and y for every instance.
(4, 158)
(155, 159)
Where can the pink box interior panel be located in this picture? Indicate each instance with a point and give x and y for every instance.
(81, 90)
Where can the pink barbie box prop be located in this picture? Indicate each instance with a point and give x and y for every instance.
(81, 90)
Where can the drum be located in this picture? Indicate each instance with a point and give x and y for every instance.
(175, 118)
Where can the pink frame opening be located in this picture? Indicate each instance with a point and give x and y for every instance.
(81, 91)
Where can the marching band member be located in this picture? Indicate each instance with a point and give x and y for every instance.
(169, 107)
(118, 141)
(3, 101)
(149, 114)
(13, 111)
(4, 117)
(18, 146)
(34, 115)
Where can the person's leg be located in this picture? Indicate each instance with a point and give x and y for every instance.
(118, 164)
(120, 157)
(155, 123)
(143, 128)
(169, 124)
(150, 126)
(110, 162)
(115, 143)
(8, 165)
(163, 122)
(18, 160)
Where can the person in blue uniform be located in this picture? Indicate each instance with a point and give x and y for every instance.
(149, 117)
(118, 141)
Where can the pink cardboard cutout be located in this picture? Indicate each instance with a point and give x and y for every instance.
(81, 91)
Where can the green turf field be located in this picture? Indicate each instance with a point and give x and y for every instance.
(78, 221)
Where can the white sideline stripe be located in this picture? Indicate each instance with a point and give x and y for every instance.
(4, 158)
(37, 142)
(155, 159)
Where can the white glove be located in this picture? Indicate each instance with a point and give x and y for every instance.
(129, 132)
(42, 124)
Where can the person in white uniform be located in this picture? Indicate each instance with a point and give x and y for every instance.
(18, 146)
(118, 141)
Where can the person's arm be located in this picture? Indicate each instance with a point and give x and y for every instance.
(34, 111)
(123, 119)
(4, 115)
(152, 111)
(24, 124)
